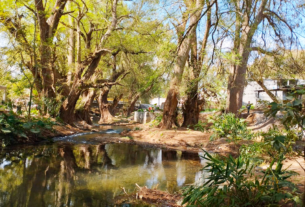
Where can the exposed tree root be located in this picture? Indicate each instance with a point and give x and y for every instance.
(158, 197)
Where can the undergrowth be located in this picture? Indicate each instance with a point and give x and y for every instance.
(13, 128)
(230, 127)
(232, 182)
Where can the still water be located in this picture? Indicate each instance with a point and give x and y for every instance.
(72, 172)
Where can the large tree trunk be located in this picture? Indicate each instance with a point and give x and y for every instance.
(106, 116)
(170, 105)
(237, 77)
(68, 106)
(191, 109)
(132, 104)
(192, 105)
(84, 113)
(270, 94)
(47, 29)
(170, 109)
(235, 88)
(115, 103)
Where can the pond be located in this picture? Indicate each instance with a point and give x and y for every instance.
(72, 172)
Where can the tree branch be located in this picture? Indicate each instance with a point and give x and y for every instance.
(261, 50)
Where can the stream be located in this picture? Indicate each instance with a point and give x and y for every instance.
(79, 171)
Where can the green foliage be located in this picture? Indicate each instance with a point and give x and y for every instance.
(253, 152)
(53, 106)
(140, 110)
(231, 182)
(278, 141)
(12, 128)
(157, 120)
(292, 110)
(229, 126)
(244, 107)
(200, 126)
(274, 143)
(208, 110)
(263, 104)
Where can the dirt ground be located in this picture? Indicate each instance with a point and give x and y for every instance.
(181, 139)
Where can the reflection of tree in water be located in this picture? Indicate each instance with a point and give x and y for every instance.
(66, 175)
(85, 175)
(125, 154)
(31, 167)
(89, 156)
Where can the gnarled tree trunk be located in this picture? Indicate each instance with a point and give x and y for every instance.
(191, 109)
(47, 29)
(193, 105)
(68, 106)
(170, 105)
(106, 116)
(115, 103)
(84, 114)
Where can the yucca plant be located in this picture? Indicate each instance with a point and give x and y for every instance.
(231, 182)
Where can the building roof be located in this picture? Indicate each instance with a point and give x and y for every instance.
(2, 88)
(284, 89)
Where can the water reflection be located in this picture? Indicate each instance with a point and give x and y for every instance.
(89, 175)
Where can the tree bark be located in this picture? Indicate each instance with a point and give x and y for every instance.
(47, 29)
(132, 104)
(237, 76)
(270, 94)
(170, 105)
(104, 106)
(192, 105)
(84, 113)
(191, 108)
(71, 48)
(68, 106)
(115, 103)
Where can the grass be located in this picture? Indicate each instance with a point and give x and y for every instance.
(209, 110)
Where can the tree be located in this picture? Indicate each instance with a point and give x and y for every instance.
(247, 18)
(193, 103)
(193, 14)
(278, 64)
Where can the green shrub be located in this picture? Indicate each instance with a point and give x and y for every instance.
(231, 182)
(200, 126)
(293, 110)
(157, 120)
(137, 129)
(275, 142)
(229, 126)
(253, 152)
(279, 141)
(209, 110)
(12, 127)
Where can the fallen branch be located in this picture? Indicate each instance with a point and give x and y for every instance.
(158, 197)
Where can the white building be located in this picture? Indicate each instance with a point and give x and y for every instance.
(253, 92)
(157, 101)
